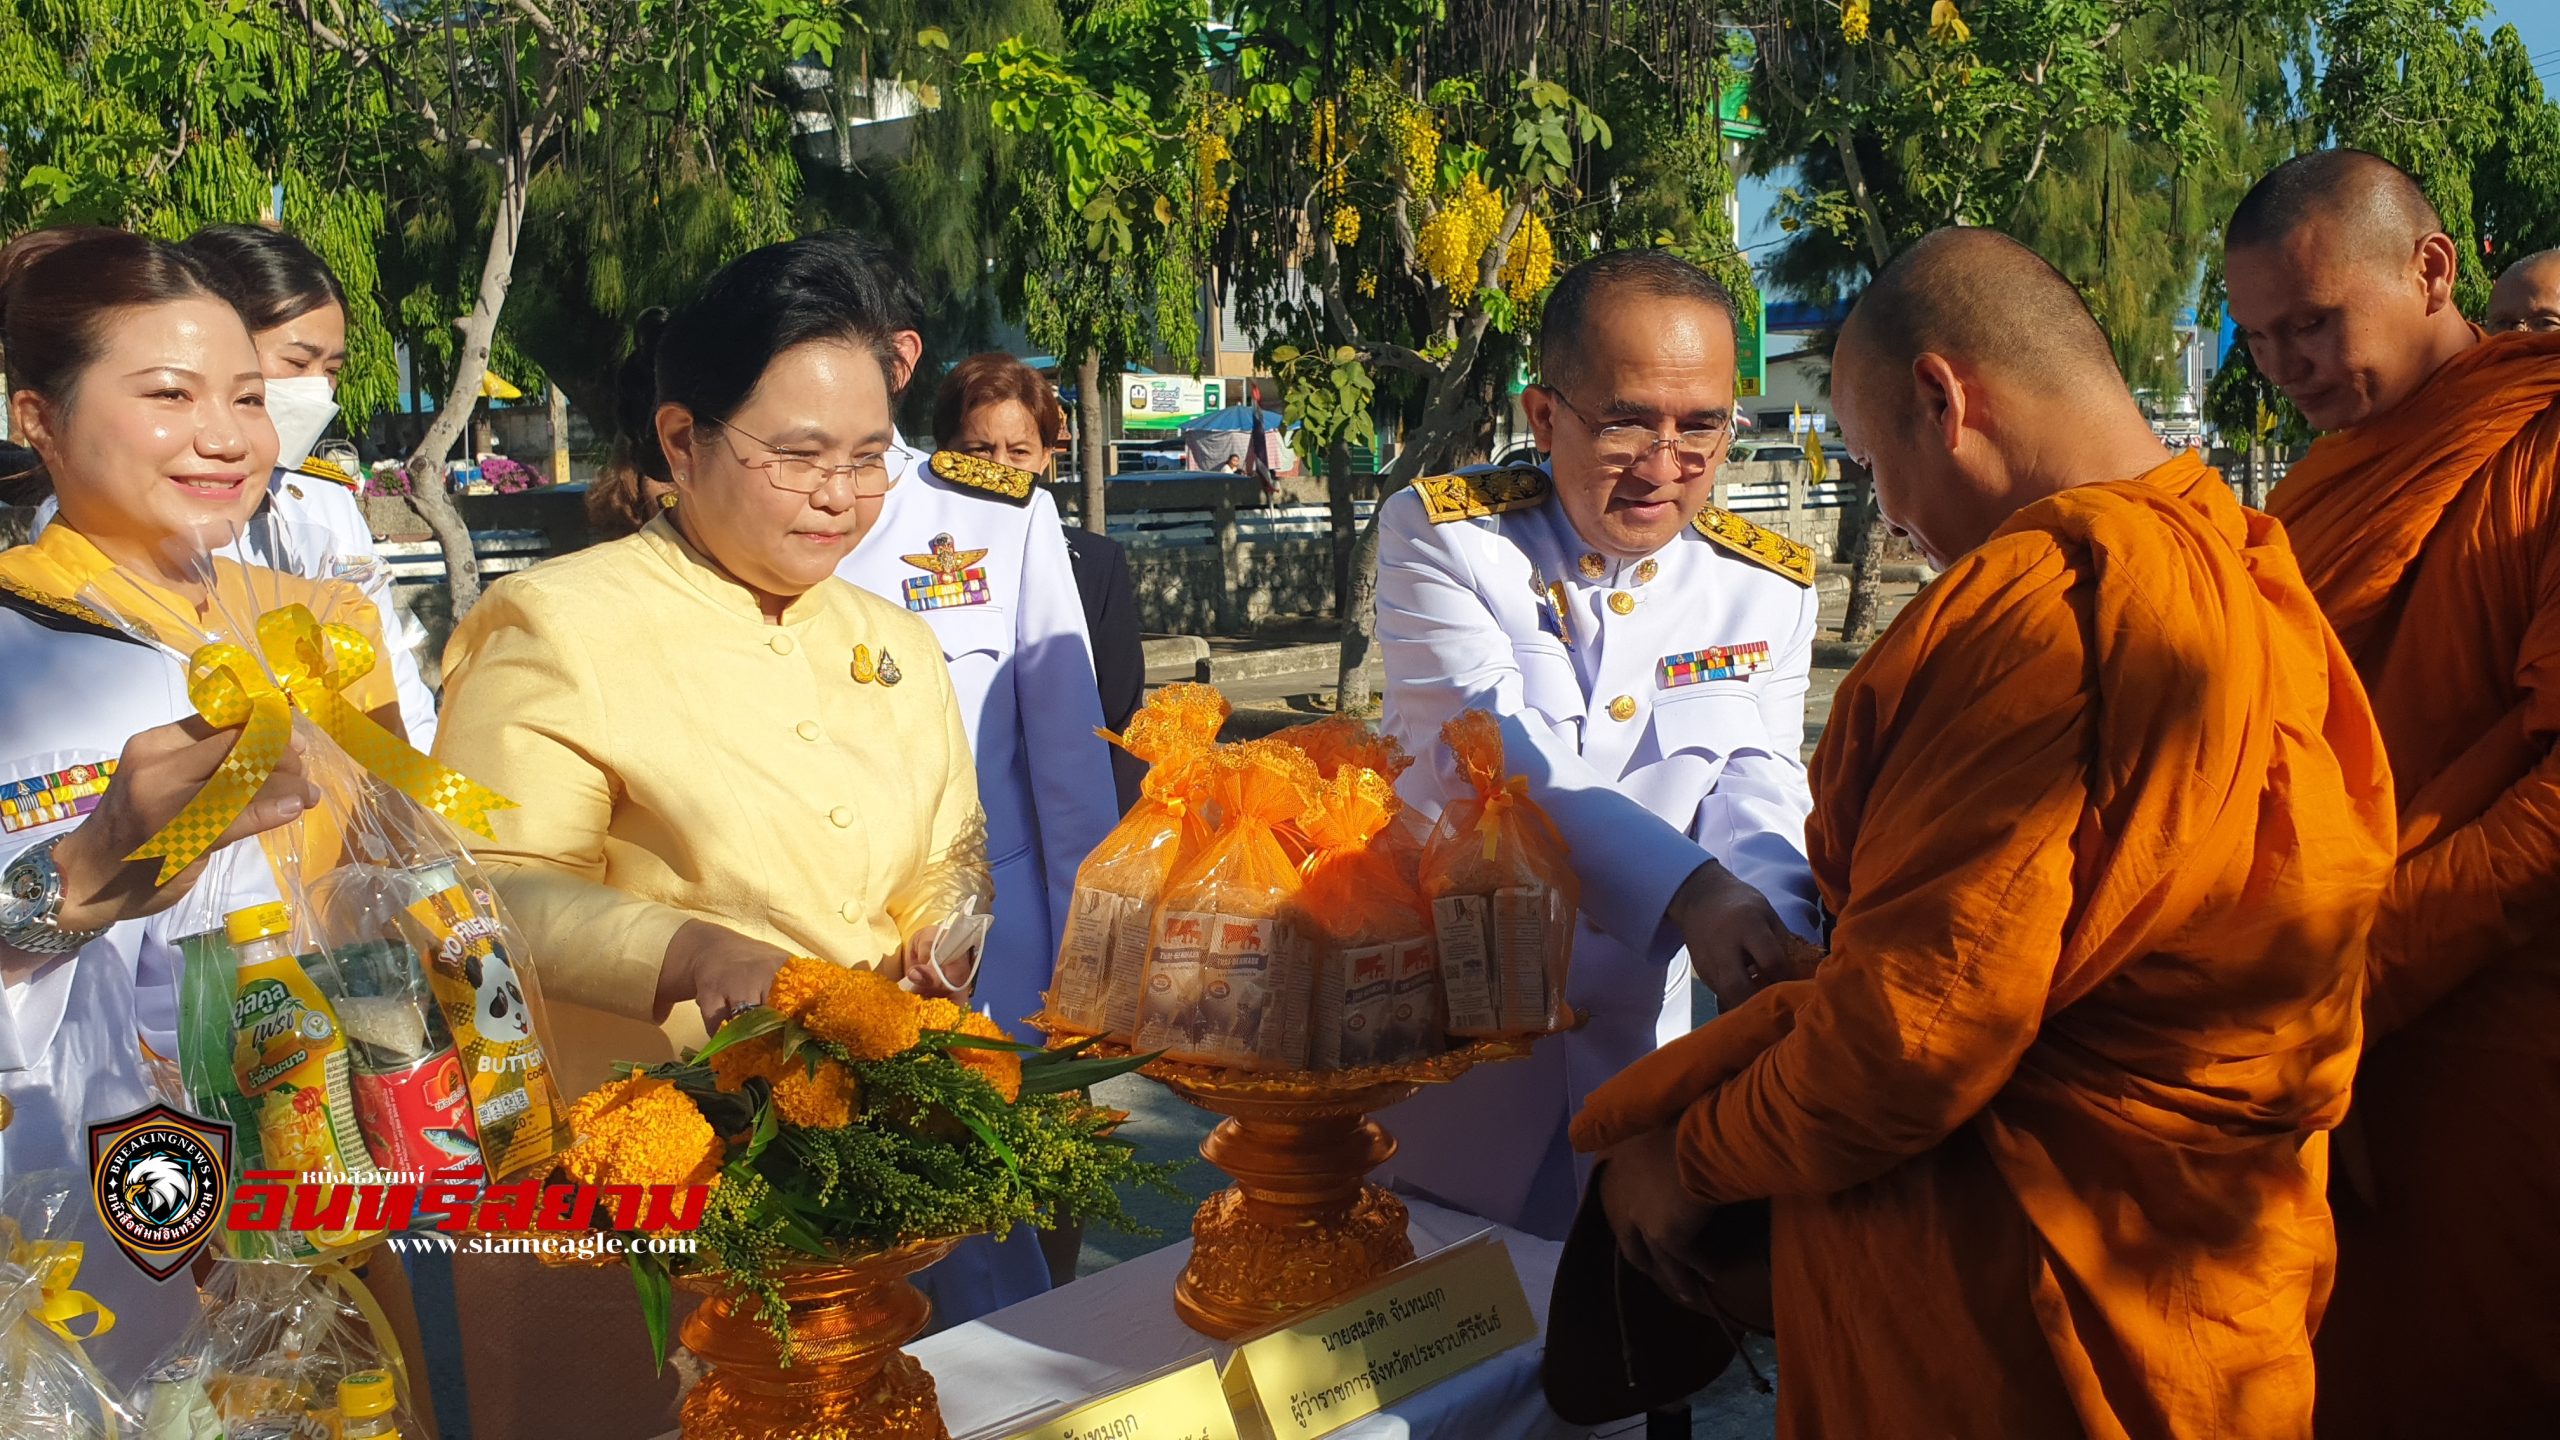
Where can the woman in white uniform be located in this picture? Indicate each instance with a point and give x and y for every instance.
(137, 385)
(311, 523)
(976, 551)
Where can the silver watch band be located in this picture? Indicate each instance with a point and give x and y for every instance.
(31, 905)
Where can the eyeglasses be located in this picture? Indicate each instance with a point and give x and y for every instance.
(872, 477)
(1624, 447)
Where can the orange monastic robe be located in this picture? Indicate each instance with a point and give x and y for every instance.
(2432, 538)
(2103, 819)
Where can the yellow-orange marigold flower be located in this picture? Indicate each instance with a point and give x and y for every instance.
(641, 1131)
(867, 1014)
(823, 1099)
(938, 1013)
(800, 984)
(757, 1059)
(1002, 1068)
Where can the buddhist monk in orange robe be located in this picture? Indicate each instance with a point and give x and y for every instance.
(2427, 519)
(2101, 820)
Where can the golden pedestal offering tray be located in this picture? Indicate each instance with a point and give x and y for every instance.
(1302, 1224)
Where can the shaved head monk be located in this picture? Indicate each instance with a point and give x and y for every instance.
(2527, 295)
(2427, 520)
(2101, 821)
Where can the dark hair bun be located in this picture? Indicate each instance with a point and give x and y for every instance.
(635, 398)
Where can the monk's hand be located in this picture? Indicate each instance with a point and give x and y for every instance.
(1737, 944)
(161, 770)
(1660, 1227)
(718, 969)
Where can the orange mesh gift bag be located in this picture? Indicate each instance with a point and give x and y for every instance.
(1502, 892)
(1339, 740)
(1102, 959)
(1368, 932)
(1227, 982)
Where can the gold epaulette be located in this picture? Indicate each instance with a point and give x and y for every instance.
(1756, 543)
(1475, 494)
(970, 472)
(321, 468)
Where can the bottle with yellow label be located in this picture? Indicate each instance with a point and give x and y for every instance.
(369, 1406)
(290, 1057)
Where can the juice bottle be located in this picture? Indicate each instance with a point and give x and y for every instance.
(369, 1406)
(290, 1056)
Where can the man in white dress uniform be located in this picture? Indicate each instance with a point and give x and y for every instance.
(1648, 654)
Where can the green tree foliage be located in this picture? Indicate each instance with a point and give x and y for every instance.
(1103, 253)
(497, 105)
(2418, 83)
(163, 117)
(1410, 178)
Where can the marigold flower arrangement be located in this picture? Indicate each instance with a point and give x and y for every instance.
(847, 1115)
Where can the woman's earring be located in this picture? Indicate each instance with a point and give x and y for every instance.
(667, 501)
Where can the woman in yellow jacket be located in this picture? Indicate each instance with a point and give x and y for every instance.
(721, 755)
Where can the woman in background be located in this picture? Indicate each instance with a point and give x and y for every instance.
(297, 316)
(996, 408)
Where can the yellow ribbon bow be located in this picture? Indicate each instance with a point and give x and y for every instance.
(1513, 794)
(309, 664)
(55, 1264)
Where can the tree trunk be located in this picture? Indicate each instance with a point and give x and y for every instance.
(1093, 456)
(1866, 573)
(2254, 490)
(1351, 693)
(427, 493)
(559, 434)
(1346, 534)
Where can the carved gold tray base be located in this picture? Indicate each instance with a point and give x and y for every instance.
(1302, 1224)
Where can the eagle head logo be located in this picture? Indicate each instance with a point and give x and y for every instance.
(159, 1188)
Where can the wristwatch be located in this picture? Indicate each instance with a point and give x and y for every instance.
(31, 905)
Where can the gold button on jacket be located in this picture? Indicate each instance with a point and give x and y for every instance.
(629, 699)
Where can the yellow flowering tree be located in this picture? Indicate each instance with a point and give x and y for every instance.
(1405, 174)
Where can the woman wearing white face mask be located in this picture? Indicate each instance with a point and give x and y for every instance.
(136, 385)
(297, 316)
(311, 523)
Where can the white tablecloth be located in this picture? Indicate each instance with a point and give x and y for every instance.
(1108, 1329)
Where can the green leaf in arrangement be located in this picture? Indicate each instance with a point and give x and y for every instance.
(1080, 1074)
(741, 1028)
(768, 1125)
(987, 1136)
(657, 1301)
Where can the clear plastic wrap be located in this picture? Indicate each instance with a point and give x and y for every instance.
(270, 1353)
(1503, 894)
(392, 955)
(1102, 959)
(1226, 979)
(48, 1387)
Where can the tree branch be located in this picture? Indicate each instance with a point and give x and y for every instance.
(366, 57)
(549, 29)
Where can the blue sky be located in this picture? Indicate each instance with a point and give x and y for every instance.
(2536, 21)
